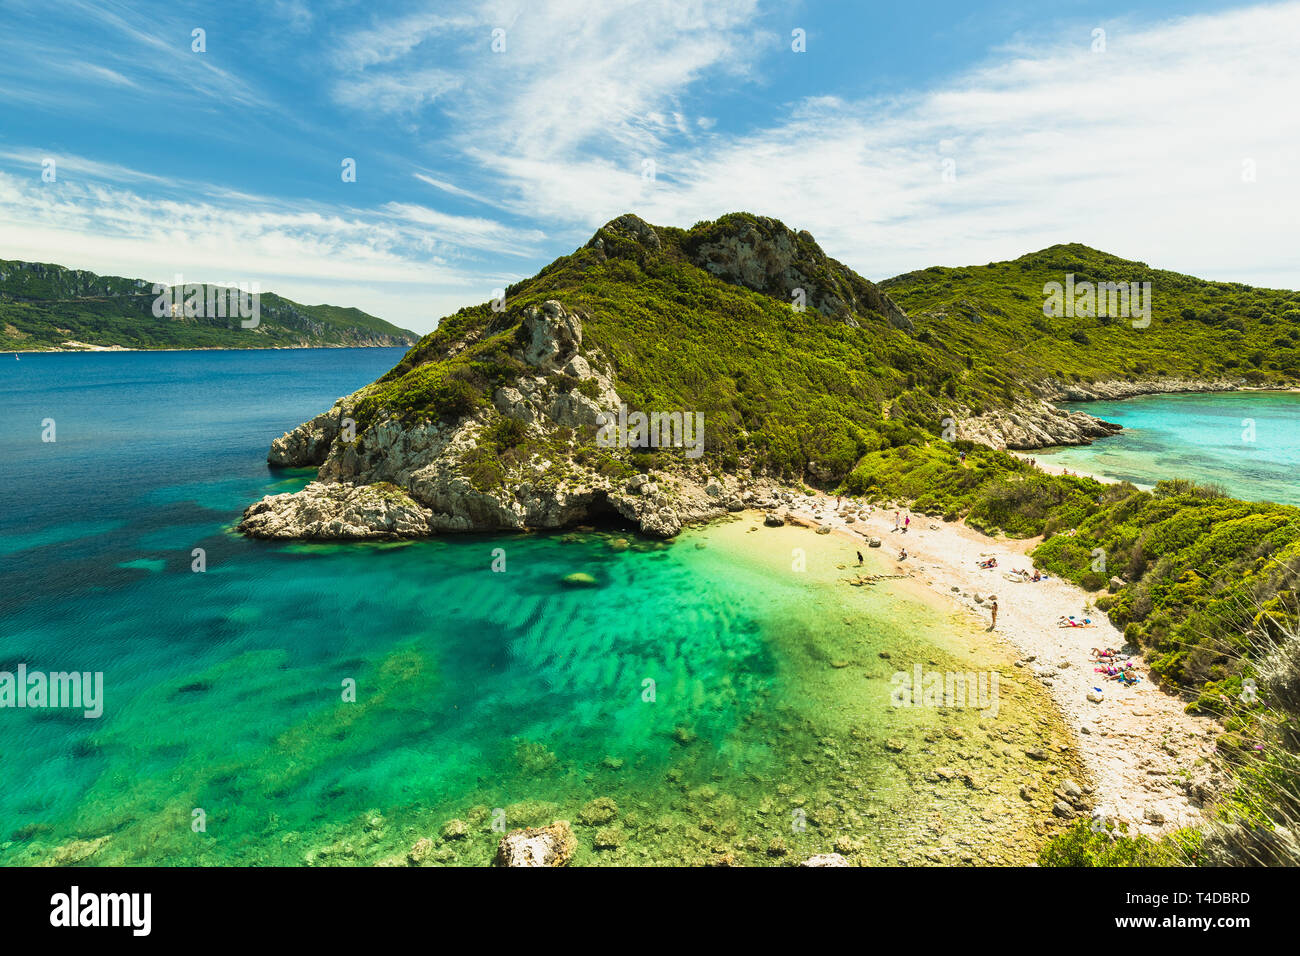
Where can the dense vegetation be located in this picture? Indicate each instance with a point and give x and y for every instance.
(43, 306)
(780, 389)
(1198, 329)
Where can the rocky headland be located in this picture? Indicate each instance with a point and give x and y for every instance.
(402, 479)
(492, 423)
(1037, 422)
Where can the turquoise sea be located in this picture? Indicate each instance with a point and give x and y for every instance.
(1247, 441)
(703, 702)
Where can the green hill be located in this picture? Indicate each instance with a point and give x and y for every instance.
(43, 306)
(705, 319)
(1200, 329)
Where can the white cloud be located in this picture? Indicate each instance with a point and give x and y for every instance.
(584, 90)
(1138, 150)
(395, 94)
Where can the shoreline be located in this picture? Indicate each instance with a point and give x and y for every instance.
(1137, 744)
(1052, 468)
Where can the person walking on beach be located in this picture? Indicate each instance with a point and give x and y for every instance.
(898, 516)
(994, 608)
(907, 523)
(859, 559)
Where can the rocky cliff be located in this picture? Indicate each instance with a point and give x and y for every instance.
(410, 479)
(1031, 423)
(1111, 390)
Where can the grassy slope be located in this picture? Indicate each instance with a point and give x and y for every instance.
(779, 388)
(45, 306)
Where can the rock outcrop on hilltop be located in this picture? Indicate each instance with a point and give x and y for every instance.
(767, 256)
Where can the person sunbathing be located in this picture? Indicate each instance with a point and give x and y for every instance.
(990, 563)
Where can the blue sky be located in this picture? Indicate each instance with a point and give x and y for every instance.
(1174, 141)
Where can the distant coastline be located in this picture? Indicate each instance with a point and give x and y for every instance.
(87, 349)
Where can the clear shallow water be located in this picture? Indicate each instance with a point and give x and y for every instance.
(1204, 437)
(475, 690)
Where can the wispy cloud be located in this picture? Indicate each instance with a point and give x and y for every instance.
(1144, 149)
(1137, 148)
(583, 86)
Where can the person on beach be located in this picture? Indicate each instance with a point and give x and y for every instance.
(839, 501)
(902, 555)
(898, 517)
(907, 523)
(994, 608)
(859, 559)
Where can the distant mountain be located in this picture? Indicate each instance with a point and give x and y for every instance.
(45, 306)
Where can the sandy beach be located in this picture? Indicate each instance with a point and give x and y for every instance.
(1046, 464)
(1137, 743)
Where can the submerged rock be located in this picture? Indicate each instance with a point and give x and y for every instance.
(75, 852)
(537, 846)
(420, 851)
(599, 811)
(825, 859)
